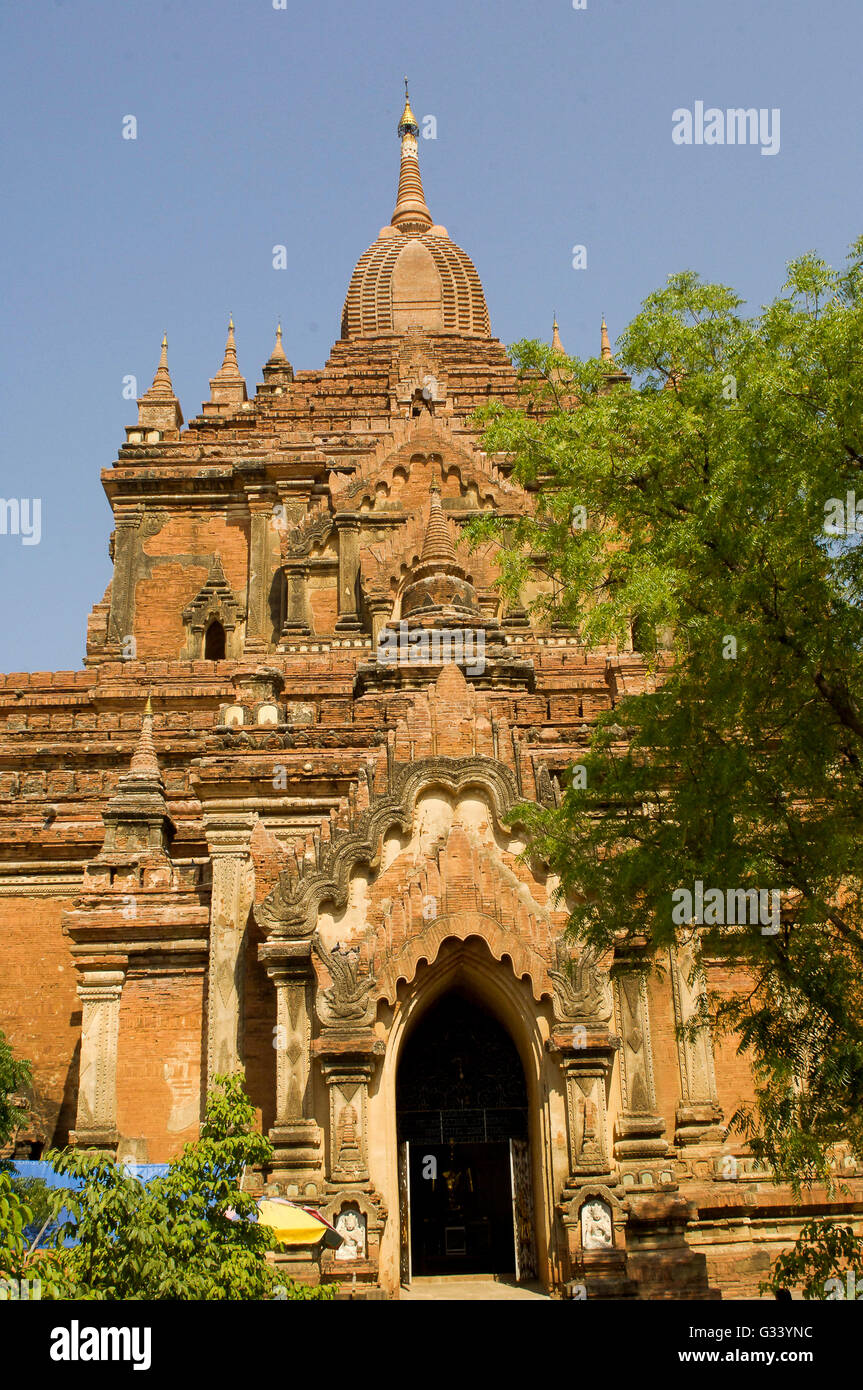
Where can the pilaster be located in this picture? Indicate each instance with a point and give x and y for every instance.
(348, 1057)
(348, 527)
(296, 1136)
(698, 1120)
(100, 988)
(296, 621)
(640, 1143)
(258, 624)
(228, 838)
(126, 546)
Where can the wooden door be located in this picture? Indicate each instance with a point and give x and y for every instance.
(405, 1213)
(522, 1209)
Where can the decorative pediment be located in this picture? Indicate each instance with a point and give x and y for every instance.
(319, 869)
(386, 565)
(214, 600)
(407, 458)
(423, 948)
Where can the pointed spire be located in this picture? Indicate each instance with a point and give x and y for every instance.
(228, 386)
(411, 213)
(278, 353)
(159, 406)
(138, 826)
(408, 120)
(230, 366)
(437, 546)
(144, 760)
(277, 369)
(613, 374)
(162, 385)
(556, 344)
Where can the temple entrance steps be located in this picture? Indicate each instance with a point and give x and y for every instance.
(479, 1288)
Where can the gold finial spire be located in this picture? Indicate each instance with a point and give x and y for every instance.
(408, 121)
(228, 386)
(605, 345)
(411, 213)
(556, 344)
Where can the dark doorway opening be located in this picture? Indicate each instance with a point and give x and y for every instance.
(461, 1099)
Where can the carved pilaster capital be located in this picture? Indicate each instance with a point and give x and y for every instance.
(259, 501)
(340, 1052)
(581, 1047)
(229, 832)
(98, 982)
(287, 961)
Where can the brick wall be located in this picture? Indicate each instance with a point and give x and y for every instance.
(40, 1011)
(159, 1064)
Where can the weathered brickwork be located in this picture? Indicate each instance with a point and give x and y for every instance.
(41, 1011)
(159, 1065)
(238, 837)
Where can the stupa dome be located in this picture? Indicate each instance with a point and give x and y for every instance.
(414, 276)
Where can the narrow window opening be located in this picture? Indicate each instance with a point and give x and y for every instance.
(214, 642)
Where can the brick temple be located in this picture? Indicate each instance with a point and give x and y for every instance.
(264, 827)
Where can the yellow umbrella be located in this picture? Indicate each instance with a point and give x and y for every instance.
(294, 1225)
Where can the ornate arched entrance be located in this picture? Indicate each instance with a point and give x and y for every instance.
(462, 1117)
(465, 1116)
(419, 896)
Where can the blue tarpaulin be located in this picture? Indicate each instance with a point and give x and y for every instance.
(40, 1168)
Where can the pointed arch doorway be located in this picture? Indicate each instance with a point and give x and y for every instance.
(465, 1189)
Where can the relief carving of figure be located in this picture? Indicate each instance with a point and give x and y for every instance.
(349, 1000)
(589, 1131)
(596, 1226)
(351, 1226)
(349, 1155)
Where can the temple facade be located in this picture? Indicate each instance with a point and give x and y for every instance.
(265, 827)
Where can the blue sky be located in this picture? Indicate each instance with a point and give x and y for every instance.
(259, 126)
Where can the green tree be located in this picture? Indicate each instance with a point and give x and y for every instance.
(15, 1076)
(14, 1217)
(711, 511)
(188, 1234)
(15, 1212)
(823, 1253)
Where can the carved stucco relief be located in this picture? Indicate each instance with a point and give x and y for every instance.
(636, 1072)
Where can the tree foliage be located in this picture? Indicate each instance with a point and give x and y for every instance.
(697, 509)
(821, 1264)
(15, 1076)
(15, 1211)
(14, 1216)
(191, 1233)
